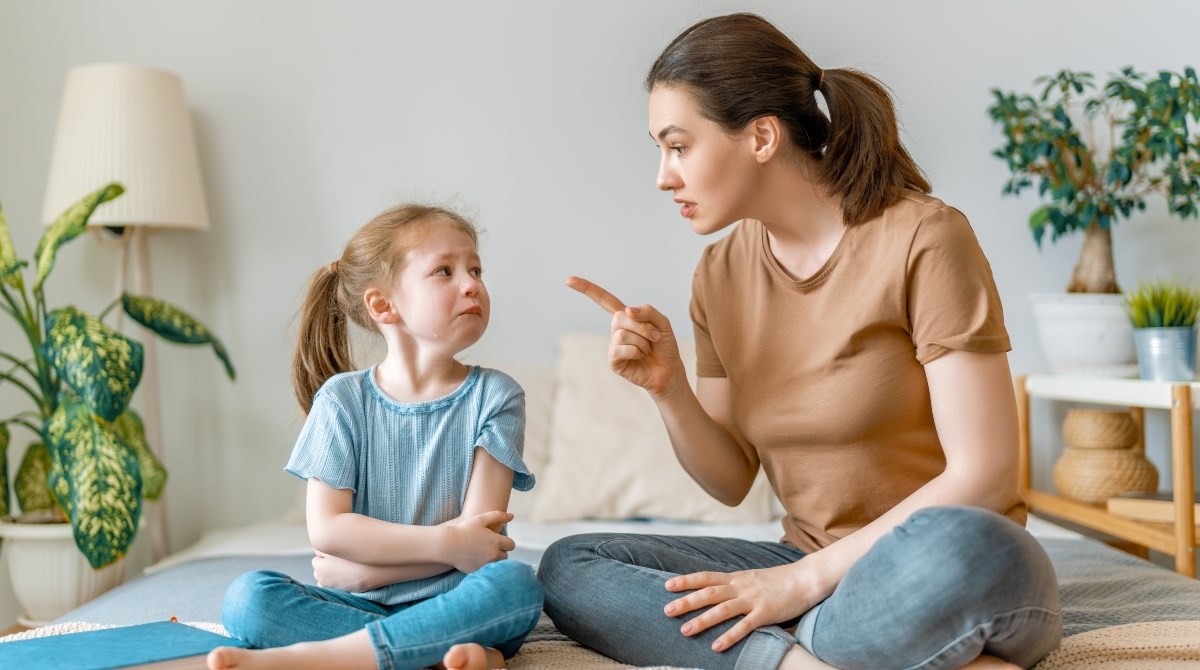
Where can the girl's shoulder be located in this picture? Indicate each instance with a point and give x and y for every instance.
(497, 383)
(345, 388)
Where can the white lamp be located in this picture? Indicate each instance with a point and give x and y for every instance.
(130, 124)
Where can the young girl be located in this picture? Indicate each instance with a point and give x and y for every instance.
(409, 467)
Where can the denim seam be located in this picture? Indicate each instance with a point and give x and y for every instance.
(685, 550)
(375, 633)
(507, 615)
(976, 627)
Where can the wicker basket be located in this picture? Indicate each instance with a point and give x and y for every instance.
(1095, 475)
(1099, 429)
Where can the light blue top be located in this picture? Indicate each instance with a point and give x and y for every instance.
(410, 463)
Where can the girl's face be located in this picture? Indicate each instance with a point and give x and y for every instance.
(709, 171)
(440, 294)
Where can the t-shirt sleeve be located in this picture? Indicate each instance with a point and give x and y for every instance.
(502, 431)
(325, 448)
(953, 304)
(708, 363)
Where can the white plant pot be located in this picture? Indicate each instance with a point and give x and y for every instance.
(1085, 333)
(50, 576)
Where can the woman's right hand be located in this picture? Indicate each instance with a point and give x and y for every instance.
(643, 349)
(475, 541)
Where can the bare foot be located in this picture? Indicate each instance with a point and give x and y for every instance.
(345, 652)
(986, 662)
(472, 657)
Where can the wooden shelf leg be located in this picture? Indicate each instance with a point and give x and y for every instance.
(1182, 480)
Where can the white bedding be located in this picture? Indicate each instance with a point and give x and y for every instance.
(289, 538)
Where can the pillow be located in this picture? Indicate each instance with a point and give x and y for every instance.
(609, 454)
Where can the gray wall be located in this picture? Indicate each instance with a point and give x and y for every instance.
(312, 116)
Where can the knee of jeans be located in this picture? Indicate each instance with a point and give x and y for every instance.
(564, 555)
(971, 541)
(247, 604)
(515, 583)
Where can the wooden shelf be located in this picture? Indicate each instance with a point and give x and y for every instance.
(1182, 399)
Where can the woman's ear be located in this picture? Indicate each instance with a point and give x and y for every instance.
(766, 136)
(380, 309)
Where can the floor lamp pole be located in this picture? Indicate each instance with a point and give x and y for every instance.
(156, 511)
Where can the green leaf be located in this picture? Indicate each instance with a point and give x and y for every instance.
(97, 481)
(4, 439)
(67, 227)
(98, 363)
(129, 428)
(9, 265)
(33, 479)
(174, 325)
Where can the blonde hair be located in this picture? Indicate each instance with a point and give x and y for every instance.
(373, 257)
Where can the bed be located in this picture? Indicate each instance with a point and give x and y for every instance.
(1120, 612)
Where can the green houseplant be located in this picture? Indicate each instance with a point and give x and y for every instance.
(1096, 156)
(1163, 314)
(91, 465)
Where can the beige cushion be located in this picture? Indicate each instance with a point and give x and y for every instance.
(609, 454)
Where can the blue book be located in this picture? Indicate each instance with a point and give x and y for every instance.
(162, 644)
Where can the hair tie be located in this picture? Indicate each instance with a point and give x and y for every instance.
(820, 79)
(333, 268)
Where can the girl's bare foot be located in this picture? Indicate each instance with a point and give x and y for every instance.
(472, 657)
(351, 652)
(986, 662)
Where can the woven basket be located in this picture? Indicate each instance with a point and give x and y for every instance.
(1095, 475)
(1099, 429)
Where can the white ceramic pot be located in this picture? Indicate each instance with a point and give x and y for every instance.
(50, 576)
(1085, 333)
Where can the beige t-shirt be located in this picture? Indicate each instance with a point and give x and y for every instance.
(827, 374)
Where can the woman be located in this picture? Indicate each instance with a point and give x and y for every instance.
(851, 343)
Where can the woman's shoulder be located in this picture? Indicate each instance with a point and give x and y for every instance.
(915, 208)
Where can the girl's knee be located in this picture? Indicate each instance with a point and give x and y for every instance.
(248, 602)
(515, 582)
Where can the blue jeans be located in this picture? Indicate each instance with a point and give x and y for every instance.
(945, 586)
(495, 606)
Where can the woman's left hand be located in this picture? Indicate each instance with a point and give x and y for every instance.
(762, 597)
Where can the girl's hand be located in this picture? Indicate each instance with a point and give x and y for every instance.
(764, 597)
(338, 573)
(475, 541)
(643, 349)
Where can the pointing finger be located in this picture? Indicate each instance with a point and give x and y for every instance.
(606, 300)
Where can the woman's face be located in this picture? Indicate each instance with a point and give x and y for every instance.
(709, 171)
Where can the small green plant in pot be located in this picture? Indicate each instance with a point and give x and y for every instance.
(1097, 155)
(1163, 314)
(92, 465)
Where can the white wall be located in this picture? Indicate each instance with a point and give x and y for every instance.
(312, 116)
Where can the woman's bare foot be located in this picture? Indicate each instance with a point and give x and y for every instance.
(472, 657)
(986, 662)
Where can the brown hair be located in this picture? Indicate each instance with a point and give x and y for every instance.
(740, 68)
(373, 257)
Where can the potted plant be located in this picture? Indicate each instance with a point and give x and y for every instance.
(90, 464)
(1095, 157)
(1163, 314)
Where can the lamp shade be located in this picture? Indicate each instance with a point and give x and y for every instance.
(128, 124)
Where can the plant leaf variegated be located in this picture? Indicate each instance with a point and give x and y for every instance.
(32, 475)
(67, 227)
(100, 364)
(10, 267)
(173, 324)
(100, 475)
(154, 476)
(4, 437)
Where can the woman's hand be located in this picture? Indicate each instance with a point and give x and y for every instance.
(643, 349)
(475, 541)
(762, 597)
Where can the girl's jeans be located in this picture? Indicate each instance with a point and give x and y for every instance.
(945, 586)
(495, 606)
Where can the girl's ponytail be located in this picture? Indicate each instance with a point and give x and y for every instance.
(323, 346)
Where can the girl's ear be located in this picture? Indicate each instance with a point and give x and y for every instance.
(380, 309)
(766, 136)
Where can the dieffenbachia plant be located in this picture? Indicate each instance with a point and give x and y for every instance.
(92, 462)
